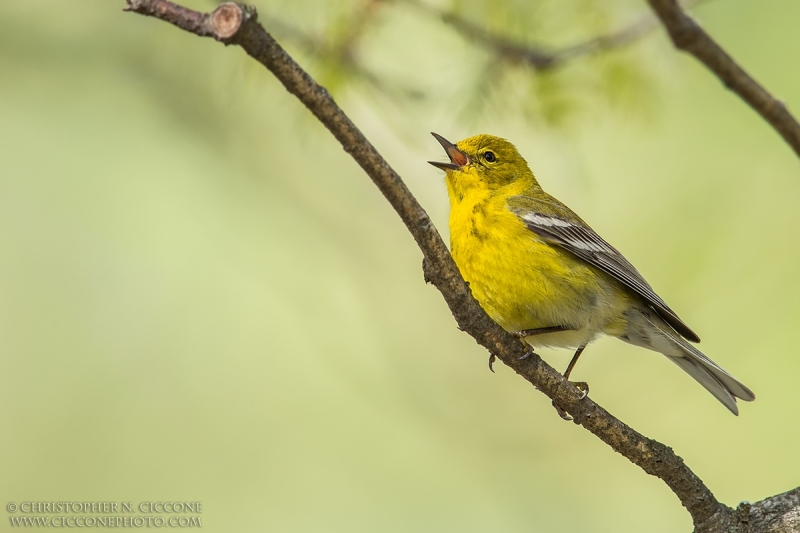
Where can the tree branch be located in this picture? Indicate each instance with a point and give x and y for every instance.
(690, 37)
(236, 24)
(777, 514)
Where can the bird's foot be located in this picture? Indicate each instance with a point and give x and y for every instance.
(528, 353)
(581, 386)
(493, 357)
(562, 413)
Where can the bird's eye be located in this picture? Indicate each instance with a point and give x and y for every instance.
(490, 157)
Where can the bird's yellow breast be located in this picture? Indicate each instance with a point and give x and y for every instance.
(521, 281)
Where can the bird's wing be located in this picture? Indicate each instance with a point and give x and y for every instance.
(554, 223)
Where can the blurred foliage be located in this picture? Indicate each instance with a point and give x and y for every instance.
(202, 297)
(346, 44)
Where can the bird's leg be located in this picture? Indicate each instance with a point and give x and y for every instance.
(521, 334)
(581, 385)
(537, 331)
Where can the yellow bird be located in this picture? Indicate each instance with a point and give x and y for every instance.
(543, 274)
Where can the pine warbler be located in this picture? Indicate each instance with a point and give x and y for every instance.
(543, 274)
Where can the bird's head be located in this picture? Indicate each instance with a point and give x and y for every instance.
(483, 164)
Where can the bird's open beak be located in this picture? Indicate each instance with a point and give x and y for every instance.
(457, 158)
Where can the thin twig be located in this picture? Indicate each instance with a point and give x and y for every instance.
(541, 57)
(438, 266)
(689, 36)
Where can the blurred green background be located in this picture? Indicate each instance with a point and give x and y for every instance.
(203, 298)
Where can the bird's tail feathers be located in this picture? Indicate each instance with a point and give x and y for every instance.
(648, 330)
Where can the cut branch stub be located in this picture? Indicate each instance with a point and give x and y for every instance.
(226, 20)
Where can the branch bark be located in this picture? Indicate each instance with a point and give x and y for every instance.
(234, 24)
(689, 36)
(777, 514)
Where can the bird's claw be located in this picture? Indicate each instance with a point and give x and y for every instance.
(527, 354)
(581, 386)
(562, 413)
(493, 357)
